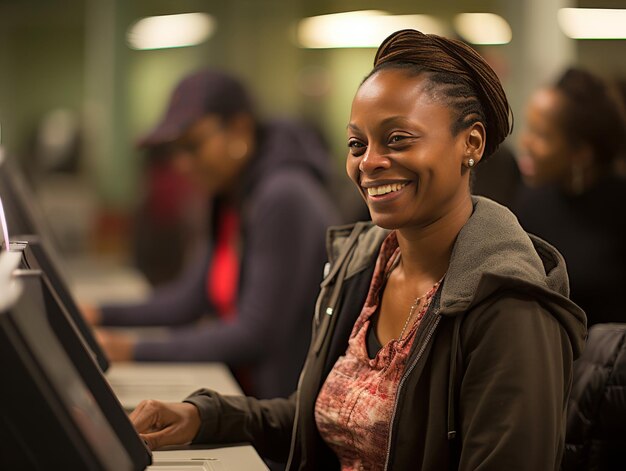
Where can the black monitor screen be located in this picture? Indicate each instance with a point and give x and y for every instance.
(58, 410)
(35, 255)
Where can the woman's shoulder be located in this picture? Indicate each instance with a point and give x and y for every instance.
(356, 244)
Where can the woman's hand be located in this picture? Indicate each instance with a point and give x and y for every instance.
(118, 346)
(91, 314)
(161, 424)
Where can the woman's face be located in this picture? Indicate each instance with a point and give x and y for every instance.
(546, 151)
(213, 153)
(402, 155)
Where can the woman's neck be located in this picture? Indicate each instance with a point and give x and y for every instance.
(426, 250)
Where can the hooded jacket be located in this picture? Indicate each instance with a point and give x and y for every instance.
(284, 211)
(489, 372)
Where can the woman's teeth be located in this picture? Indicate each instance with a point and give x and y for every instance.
(384, 189)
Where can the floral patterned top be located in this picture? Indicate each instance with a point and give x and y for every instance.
(354, 407)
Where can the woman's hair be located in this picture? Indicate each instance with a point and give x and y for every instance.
(591, 113)
(469, 86)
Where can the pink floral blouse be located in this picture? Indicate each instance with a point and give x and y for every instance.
(354, 407)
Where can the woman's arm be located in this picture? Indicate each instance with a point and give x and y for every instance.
(179, 302)
(208, 417)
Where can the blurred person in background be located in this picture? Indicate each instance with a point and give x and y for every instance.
(443, 337)
(574, 133)
(258, 279)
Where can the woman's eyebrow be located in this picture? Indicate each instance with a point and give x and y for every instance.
(389, 120)
(394, 119)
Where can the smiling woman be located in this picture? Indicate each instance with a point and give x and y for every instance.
(443, 337)
(410, 170)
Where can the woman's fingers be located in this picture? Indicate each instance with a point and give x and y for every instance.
(162, 438)
(145, 415)
(162, 424)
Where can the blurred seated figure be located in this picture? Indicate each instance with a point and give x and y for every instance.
(574, 132)
(596, 413)
(247, 300)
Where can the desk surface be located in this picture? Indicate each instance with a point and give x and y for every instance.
(172, 382)
(228, 458)
(167, 382)
(96, 281)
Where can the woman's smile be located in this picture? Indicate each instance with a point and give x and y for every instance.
(378, 192)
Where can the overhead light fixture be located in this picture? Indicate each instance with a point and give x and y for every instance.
(483, 28)
(365, 28)
(593, 23)
(167, 31)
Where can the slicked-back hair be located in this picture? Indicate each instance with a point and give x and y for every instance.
(591, 114)
(467, 83)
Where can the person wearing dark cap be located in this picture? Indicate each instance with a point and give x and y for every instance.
(260, 275)
(443, 335)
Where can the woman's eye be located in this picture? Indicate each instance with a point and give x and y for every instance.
(396, 138)
(356, 147)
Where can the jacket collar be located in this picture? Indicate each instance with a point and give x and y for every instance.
(491, 243)
(491, 253)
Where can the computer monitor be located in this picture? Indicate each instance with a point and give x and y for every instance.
(36, 255)
(58, 410)
(21, 210)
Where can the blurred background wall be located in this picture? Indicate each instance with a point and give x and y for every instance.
(70, 79)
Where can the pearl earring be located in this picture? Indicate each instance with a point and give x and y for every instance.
(471, 163)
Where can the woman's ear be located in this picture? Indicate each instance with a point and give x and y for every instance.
(242, 128)
(475, 140)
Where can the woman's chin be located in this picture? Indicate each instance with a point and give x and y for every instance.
(385, 221)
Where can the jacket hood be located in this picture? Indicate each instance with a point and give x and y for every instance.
(492, 254)
(283, 143)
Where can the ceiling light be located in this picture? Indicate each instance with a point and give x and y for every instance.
(483, 28)
(366, 28)
(593, 23)
(166, 31)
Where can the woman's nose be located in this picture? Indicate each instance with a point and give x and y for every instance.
(373, 159)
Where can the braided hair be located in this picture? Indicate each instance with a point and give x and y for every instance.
(459, 73)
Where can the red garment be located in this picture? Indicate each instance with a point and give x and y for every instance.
(223, 276)
(354, 407)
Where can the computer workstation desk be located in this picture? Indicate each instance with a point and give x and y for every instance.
(133, 382)
(57, 387)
